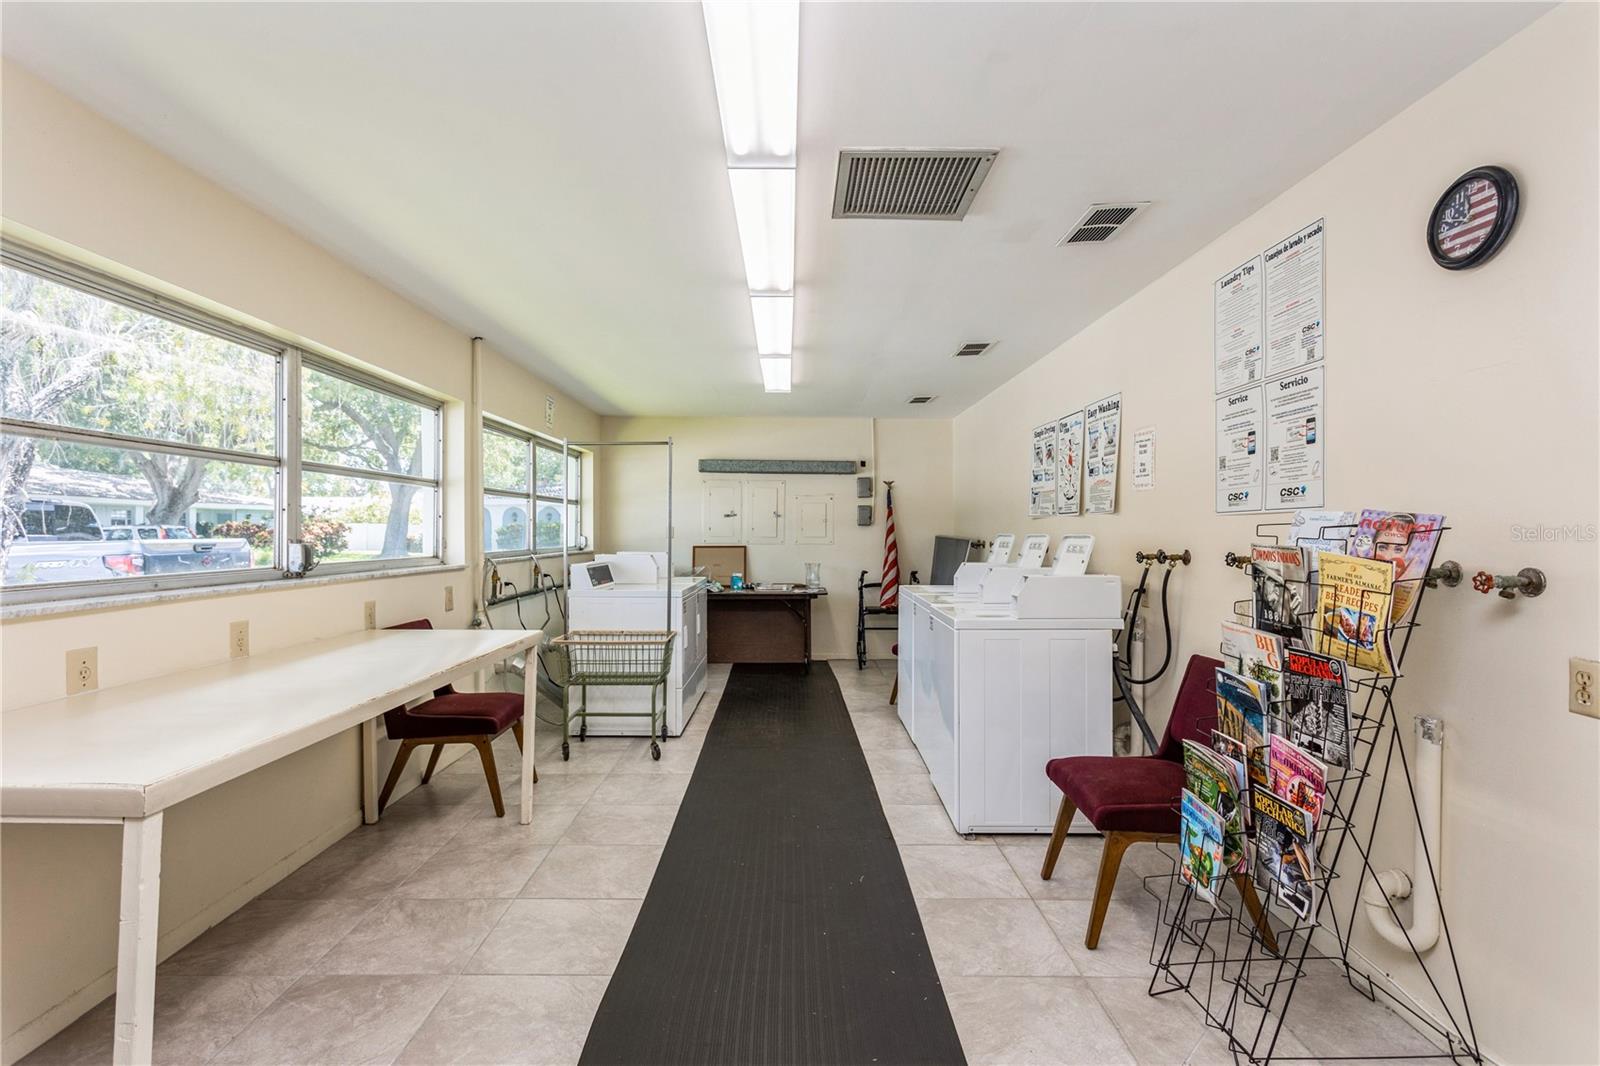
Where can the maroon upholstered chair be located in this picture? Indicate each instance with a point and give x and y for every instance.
(1135, 800)
(452, 717)
(894, 693)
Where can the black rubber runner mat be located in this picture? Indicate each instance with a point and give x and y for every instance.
(780, 928)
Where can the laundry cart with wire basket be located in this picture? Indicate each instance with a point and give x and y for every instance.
(614, 657)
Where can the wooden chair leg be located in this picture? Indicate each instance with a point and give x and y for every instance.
(1058, 837)
(433, 761)
(1110, 862)
(486, 753)
(401, 757)
(894, 693)
(1252, 903)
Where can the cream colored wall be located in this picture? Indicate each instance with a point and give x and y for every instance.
(1472, 394)
(78, 185)
(914, 453)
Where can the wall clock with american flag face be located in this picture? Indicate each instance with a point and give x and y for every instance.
(1473, 218)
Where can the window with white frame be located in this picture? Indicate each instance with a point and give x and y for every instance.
(532, 500)
(145, 443)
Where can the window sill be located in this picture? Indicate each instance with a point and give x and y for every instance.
(93, 604)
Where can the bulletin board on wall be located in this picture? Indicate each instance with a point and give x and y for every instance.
(722, 561)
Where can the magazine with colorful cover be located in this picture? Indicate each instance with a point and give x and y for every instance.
(1201, 847)
(1317, 531)
(1242, 714)
(1408, 541)
(1286, 854)
(1277, 578)
(1316, 710)
(1353, 608)
(1297, 776)
(1256, 654)
(1220, 783)
(1231, 746)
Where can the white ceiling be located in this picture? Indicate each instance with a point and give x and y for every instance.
(553, 178)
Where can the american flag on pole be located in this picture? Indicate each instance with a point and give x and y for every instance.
(1467, 218)
(889, 594)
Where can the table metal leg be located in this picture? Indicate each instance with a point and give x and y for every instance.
(530, 699)
(136, 940)
(369, 771)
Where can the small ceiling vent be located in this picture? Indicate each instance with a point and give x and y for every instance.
(909, 183)
(967, 351)
(921, 399)
(1101, 222)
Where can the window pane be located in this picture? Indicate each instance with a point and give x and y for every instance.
(88, 513)
(354, 518)
(352, 425)
(73, 359)
(548, 472)
(505, 524)
(505, 461)
(574, 477)
(548, 525)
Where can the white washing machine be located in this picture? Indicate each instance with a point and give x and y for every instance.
(631, 590)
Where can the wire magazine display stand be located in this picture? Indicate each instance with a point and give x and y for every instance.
(1244, 980)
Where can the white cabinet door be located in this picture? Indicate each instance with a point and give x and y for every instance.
(720, 504)
(763, 512)
(814, 519)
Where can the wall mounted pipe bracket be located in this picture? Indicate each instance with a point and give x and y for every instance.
(1447, 573)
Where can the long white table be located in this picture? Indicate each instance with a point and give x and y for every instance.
(126, 753)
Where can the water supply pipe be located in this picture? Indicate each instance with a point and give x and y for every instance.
(1420, 885)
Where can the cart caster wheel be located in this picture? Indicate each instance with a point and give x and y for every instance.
(663, 734)
(583, 733)
(566, 751)
(655, 751)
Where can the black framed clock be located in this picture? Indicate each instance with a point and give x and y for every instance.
(1473, 218)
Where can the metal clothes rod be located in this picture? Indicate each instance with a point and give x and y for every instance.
(566, 504)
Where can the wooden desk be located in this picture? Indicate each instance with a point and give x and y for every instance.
(126, 753)
(760, 625)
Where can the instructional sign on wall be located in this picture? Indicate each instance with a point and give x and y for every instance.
(1144, 459)
(1069, 464)
(1295, 290)
(1102, 436)
(1294, 441)
(1237, 320)
(1042, 493)
(1240, 434)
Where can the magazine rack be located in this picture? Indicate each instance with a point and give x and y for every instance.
(1214, 952)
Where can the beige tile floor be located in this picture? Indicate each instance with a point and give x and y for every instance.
(446, 935)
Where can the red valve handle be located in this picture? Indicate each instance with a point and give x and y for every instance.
(1483, 581)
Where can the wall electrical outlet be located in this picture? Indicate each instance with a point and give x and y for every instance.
(1583, 687)
(449, 597)
(369, 614)
(238, 640)
(83, 670)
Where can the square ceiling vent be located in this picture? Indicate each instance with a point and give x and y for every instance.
(1101, 222)
(920, 184)
(921, 399)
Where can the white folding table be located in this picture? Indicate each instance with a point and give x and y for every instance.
(126, 753)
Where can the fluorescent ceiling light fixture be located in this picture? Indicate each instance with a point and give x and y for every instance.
(777, 374)
(763, 206)
(774, 318)
(755, 58)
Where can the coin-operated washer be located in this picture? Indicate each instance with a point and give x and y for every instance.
(999, 689)
(625, 591)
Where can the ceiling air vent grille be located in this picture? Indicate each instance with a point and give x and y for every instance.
(909, 183)
(920, 399)
(1101, 222)
(967, 351)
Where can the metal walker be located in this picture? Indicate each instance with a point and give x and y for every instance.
(614, 657)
